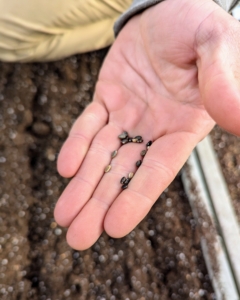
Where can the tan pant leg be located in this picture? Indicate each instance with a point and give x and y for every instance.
(44, 30)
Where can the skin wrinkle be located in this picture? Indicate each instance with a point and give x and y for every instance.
(79, 136)
(103, 203)
(133, 69)
(197, 44)
(122, 168)
(154, 66)
(129, 90)
(152, 201)
(81, 179)
(100, 98)
(97, 148)
(157, 166)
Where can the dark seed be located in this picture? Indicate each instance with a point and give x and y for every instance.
(138, 137)
(143, 153)
(122, 181)
(139, 141)
(130, 140)
(114, 154)
(125, 141)
(125, 186)
(123, 135)
(127, 180)
(138, 163)
(149, 144)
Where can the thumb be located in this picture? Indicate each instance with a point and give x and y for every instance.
(218, 50)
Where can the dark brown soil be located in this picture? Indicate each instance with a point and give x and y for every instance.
(227, 147)
(160, 259)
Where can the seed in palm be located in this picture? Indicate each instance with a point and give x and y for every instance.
(107, 168)
(123, 135)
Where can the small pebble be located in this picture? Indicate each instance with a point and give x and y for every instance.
(125, 186)
(114, 154)
(125, 141)
(130, 175)
(143, 152)
(138, 163)
(123, 135)
(149, 144)
(122, 181)
(108, 168)
(41, 128)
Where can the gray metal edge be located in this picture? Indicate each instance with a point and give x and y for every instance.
(223, 280)
(221, 202)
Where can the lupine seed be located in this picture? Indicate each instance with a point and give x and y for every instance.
(124, 141)
(149, 144)
(123, 135)
(130, 175)
(107, 168)
(138, 163)
(114, 153)
(122, 181)
(143, 152)
(127, 180)
(125, 186)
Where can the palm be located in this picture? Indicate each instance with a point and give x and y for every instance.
(149, 86)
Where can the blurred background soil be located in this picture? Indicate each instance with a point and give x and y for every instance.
(227, 147)
(160, 259)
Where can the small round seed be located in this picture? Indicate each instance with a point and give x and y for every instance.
(143, 152)
(138, 137)
(114, 153)
(123, 135)
(107, 168)
(130, 175)
(122, 181)
(138, 163)
(125, 186)
(149, 144)
(125, 141)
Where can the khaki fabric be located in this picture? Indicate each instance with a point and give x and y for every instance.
(44, 30)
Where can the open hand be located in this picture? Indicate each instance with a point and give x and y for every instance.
(170, 73)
